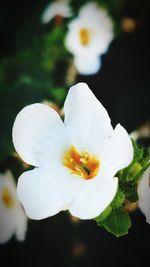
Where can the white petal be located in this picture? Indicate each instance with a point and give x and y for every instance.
(92, 197)
(144, 194)
(20, 219)
(60, 8)
(7, 180)
(89, 8)
(44, 192)
(39, 134)
(86, 120)
(7, 215)
(87, 65)
(117, 153)
(7, 224)
(21, 223)
(135, 135)
(94, 12)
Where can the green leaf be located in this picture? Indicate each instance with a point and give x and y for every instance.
(138, 165)
(116, 203)
(130, 190)
(117, 223)
(53, 49)
(58, 94)
(138, 151)
(133, 171)
(103, 215)
(118, 199)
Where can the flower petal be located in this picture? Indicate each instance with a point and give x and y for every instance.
(7, 215)
(144, 194)
(7, 224)
(44, 192)
(60, 8)
(38, 134)
(118, 152)
(21, 223)
(86, 120)
(92, 197)
(87, 65)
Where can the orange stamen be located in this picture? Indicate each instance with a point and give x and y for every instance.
(84, 36)
(7, 198)
(82, 164)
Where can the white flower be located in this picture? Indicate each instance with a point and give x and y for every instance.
(88, 37)
(76, 161)
(142, 132)
(12, 217)
(144, 194)
(57, 8)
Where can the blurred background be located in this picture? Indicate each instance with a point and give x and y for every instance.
(34, 68)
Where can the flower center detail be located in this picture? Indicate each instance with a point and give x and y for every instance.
(84, 35)
(58, 19)
(82, 164)
(7, 198)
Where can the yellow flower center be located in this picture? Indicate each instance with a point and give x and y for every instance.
(82, 164)
(84, 36)
(7, 198)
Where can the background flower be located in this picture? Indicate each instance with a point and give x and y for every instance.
(144, 194)
(12, 218)
(57, 8)
(88, 37)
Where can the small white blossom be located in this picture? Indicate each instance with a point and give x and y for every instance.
(88, 37)
(57, 8)
(142, 132)
(76, 161)
(144, 194)
(12, 217)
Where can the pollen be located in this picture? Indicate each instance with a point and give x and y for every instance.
(7, 198)
(82, 164)
(84, 36)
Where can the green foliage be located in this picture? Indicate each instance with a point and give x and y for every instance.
(53, 49)
(118, 222)
(115, 204)
(129, 177)
(115, 218)
(118, 199)
(103, 215)
(30, 76)
(138, 165)
(130, 190)
(59, 94)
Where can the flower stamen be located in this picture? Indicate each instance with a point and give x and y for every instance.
(82, 164)
(84, 36)
(7, 198)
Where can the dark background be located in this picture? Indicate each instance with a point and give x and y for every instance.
(123, 86)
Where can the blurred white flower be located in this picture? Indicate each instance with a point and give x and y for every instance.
(142, 132)
(57, 8)
(76, 161)
(144, 194)
(12, 217)
(88, 37)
